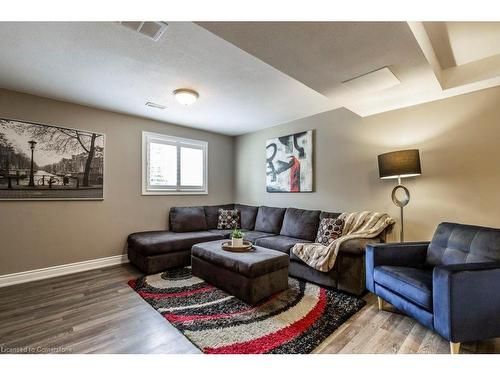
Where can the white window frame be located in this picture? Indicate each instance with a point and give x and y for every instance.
(178, 142)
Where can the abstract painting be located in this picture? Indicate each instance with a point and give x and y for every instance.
(47, 162)
(289, 163)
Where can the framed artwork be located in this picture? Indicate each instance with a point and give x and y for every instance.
(45, 162)
(289, 163)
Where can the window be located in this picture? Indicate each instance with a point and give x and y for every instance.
(172, 165)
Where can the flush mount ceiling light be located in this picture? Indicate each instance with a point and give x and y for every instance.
(185, 96)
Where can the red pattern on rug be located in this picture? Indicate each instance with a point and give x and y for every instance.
(294, 321)
(176, 294)
(265, 343)
(188, 318)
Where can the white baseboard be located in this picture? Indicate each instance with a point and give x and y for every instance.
(64, 269)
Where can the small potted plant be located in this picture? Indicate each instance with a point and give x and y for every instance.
(236, 238)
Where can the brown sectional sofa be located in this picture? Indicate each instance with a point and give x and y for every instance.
(270, 227)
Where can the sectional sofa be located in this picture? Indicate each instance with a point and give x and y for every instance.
(271, 227)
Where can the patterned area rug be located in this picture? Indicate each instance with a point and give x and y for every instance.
(291, 322)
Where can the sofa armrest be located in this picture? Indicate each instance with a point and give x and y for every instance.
(357, 246)
(466, 301)
(410, 254)
(383, 235)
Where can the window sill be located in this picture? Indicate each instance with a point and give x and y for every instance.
(175, 193)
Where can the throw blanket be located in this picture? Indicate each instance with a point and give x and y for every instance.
(358, 225)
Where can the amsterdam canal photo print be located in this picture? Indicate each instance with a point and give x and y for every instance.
(49, 162)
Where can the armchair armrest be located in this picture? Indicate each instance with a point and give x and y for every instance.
(466, 301)
(409, 254)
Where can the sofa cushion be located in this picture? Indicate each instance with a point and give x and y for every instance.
(212, 214)
(279, 243)
(269, 219)
(248, 214)
(187, 219)
(329, 230)
(331, 215)
(457, 243)
(161, 242)
(253, 235)
(251, 264)
(414, 284)
(300, 224)
(226, 233)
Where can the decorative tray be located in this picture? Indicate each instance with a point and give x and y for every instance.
(247, 246)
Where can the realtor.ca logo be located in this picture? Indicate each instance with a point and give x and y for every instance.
(34, 350)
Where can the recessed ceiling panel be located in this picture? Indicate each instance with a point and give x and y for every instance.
(375, 81)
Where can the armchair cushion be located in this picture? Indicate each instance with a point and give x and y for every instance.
(410, 254)
(466, 301)
(458, 243)
(414, 284)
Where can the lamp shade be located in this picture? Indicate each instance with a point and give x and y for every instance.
(405, 163)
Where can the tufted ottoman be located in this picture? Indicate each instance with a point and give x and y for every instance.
(250, 276)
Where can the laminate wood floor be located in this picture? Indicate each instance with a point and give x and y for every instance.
(97, 312)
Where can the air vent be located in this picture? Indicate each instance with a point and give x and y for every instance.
(154, 105)
(151, 29)
(377, 80)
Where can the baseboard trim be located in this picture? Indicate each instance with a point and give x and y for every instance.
(64, 269)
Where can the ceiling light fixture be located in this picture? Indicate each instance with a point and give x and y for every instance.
(186, 96)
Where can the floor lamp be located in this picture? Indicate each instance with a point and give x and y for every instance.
(399, 164)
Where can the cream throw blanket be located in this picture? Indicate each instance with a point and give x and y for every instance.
(357, 225)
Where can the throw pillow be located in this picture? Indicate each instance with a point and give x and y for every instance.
(228, 219)
(329, 230)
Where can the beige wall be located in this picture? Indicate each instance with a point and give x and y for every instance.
(459, 142)
(458, 139)
(47, 233)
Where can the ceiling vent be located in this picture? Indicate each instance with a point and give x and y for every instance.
(377, 80)
(151, 29)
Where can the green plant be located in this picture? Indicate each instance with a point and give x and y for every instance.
(236, 233)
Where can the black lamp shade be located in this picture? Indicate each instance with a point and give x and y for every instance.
(405, 163)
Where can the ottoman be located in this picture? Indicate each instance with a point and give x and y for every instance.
(250, 276)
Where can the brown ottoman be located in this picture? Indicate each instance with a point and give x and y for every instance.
(250, 276)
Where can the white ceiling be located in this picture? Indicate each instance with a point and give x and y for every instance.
(250, 75)
(324, 54)
(108, 66)
(459, 43)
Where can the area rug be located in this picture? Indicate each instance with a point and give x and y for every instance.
(294, 321)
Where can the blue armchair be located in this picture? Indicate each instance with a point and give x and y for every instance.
(450, 285)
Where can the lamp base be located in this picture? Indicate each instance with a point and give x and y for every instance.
(401, 202)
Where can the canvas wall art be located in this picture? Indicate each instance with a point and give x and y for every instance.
(46, 162)
(289, 163)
